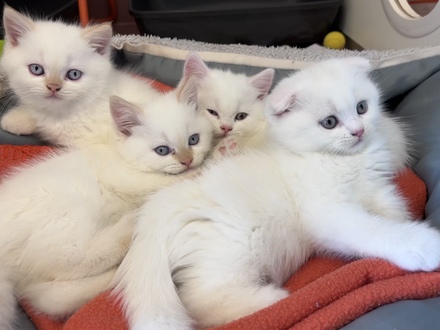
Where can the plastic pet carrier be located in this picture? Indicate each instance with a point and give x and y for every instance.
(256, 22)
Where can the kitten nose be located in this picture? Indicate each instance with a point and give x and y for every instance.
(53, 87)
(226, 128)
(358, 132)
(186, 162)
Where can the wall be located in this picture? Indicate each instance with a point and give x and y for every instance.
(124, 23)
(365, 22)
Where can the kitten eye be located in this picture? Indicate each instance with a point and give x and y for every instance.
(241, 116)
(194, 139)
(73, 74)
(212, 112)
(36, 69)
(162, 150)
(362, 107)
(329, 122)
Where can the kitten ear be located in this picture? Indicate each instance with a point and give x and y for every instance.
(187, 92)
(263, 82)
(195, 67)
(125, 115)
(99, 37)
(281, 100)
(16, 25)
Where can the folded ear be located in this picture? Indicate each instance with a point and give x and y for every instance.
(187, 92)
(16, 25)
(282, 99)
(125, 115)
(194, 66)
(99, 37)
(263, 82)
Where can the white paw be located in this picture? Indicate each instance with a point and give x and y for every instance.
(226, 147)
(18, 121)
(419, 249)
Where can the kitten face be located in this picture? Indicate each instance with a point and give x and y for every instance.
(233, 103)
(54, 64)
(168, 135)
(332, 107)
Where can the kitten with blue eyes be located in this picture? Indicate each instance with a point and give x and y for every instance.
(232, 102)
(65, 221)
(63, 77)
(231, 237)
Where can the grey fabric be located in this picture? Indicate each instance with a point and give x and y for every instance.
(393, 80)
(23, 322)
(401, 315)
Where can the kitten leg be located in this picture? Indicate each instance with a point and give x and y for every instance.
(350, 230)
(7, 303)
(387, 203)
(18, 121)
(106, 250)
(61, 299)
(211, 304)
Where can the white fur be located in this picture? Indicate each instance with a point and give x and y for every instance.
(65, 221)
(217, 248)
(79, 111)
(229, 94)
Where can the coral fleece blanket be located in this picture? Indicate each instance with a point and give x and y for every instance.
(326, 293)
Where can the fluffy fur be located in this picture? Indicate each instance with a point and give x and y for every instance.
(65, 221)
(232, 102)
(63, 76)
(217, 248)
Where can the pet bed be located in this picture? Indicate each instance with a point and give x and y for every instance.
(326, 293)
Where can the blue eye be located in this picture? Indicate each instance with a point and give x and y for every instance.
(329, 122)
(193, 139)
(362, 107)
(36, 69)
(241, 116)
(162, 150)
(73, 74)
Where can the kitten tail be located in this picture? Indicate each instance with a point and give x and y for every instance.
(143, 281)
(7, 302)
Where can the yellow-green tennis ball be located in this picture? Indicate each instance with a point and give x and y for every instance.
(2, 43)
(334, 40)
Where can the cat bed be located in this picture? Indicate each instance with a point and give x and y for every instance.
(327, 293)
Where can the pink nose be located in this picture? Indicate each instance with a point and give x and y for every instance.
(186, 162)
(226, 128)
(358, 132)
(53, 87)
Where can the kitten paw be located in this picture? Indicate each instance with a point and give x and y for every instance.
(18, 121)
(420, 249)
(226, 147)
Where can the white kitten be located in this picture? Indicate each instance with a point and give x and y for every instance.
(63, 76)
(64, 221)
(220, 247)
(233, 102)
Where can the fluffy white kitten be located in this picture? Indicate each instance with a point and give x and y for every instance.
(233, 102)
(219, 247)
(63, 76)
(64, 221)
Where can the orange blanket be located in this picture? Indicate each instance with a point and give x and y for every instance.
(326, 293)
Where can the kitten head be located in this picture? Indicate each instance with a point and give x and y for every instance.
(331, 107)
(51, 64)
(167, 135)
(232, 102)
